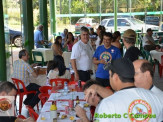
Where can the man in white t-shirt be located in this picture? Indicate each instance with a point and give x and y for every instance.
(144, 76)
(81, 57)
(128, 103)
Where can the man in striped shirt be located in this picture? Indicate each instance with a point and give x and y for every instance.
(22, 71)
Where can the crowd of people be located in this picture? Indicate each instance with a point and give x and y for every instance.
(126, 94)
(119, 79)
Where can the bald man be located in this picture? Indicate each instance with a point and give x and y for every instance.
(144, 76)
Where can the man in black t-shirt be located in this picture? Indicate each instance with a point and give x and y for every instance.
(129, 39)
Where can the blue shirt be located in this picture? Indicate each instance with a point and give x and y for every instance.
(107, 54)
(63, 38)
(38, 37)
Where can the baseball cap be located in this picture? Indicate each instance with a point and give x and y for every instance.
(123, 67)
(129, 33)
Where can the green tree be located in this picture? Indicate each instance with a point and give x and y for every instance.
(35, 4)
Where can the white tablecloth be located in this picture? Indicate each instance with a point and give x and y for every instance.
(45, 111)
(67, 96)
(66, 56)
(156, 55)
(47, 53)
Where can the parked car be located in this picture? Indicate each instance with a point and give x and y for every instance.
(15, 36)
(152, 20)
(87, 22)
(161, 26)
(127, 23)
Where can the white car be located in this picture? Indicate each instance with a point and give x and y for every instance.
(87, 22)
(127, 23)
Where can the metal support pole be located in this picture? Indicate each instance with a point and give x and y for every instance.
(3, 74)
(70, 12)
(130, 9)
(28, 26)
(115, 15)
(52, 17)
(161, 13)
(100, 10)
(43, 17)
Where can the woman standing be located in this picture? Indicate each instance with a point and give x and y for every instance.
(116, 38)
(100, 32)
(69, 41)
(57, 46)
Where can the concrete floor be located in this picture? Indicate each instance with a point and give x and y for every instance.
(157, 80)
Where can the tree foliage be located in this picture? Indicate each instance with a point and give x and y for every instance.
(93, 6)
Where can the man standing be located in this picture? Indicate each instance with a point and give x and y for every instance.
(38, 37)
(144, 77)
(9, 89)
(129, 39)
(103, 55)
(81, 57)
(128, 103)
(22, 71)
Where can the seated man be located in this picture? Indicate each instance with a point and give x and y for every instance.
(128, 103)
(148, 41)
(144, 77)
(9, 89)
(22, 71)
(39, 38)
(92, 101)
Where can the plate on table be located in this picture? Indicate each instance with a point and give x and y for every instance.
(62, 116)
(86, 105)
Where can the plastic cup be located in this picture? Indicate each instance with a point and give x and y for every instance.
(71, 103)
(67, 110)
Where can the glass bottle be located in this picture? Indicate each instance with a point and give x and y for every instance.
(53, 112)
